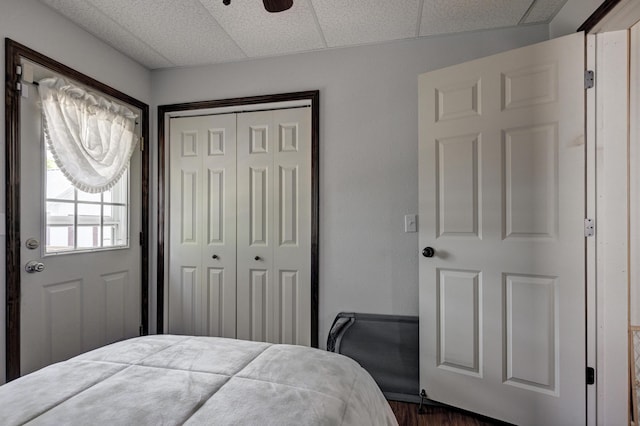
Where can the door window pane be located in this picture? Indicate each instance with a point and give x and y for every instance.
(115, 224)
(89, 214)
(88, 237)
(59, 238)
(78, 221)
(85, 196)
(58, 187)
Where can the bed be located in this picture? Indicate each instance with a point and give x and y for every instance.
(168, 380)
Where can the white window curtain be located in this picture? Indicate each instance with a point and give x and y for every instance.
(92, 138)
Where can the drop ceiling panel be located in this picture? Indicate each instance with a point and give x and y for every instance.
(108, 30)
(544, 11)
(349, 22)
(178, 33)
(183, 30)
(451, 16)
(260, 33)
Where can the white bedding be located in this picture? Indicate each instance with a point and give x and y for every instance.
(168, 380)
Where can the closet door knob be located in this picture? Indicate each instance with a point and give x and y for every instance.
(215, 256)
(257, 258)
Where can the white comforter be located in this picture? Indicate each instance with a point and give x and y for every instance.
(168, 380)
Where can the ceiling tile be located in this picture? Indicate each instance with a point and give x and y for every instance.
(544, 11)
(260, 33)
(348, 22)
(451, 16)
(183, 30)
(103, 27)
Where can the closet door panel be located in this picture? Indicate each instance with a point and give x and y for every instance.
(255, 147)
(292, 225)
(185, 236)
(219, 212)
(203, 226)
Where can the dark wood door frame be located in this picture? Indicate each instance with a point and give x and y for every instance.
(165, 110)
(602, 11)
(14, 52)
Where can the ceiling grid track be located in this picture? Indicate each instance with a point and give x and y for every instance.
(317, 21)
(526, 14)
(419, 23)
(235, 43)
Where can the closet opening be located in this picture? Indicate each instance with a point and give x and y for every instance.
(238, 217)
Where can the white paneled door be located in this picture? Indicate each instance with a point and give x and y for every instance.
(202, 230)
(274, 226)
(501, 185)
(87, 293)
(240, 225)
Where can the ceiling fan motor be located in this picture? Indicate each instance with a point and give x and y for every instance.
(272, 6)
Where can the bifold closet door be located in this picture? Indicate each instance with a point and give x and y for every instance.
(202, 226)
(274, 226)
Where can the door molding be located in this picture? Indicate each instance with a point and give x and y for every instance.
(13, 53)
(163, 110)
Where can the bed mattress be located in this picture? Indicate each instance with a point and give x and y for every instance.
(169, 380)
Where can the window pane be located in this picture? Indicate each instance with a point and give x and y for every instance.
(85, 196)
(88, 214)
(115, 226)
(59, 226)
(88, 237)
(108, 236)
(58, 186)
(102, 219)
(59, 213)
(59, 238)
(118, 193)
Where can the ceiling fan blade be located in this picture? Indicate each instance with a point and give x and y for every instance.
(274, 6)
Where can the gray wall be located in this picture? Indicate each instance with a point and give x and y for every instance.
(31, 23)
(571, 16)
(368, 151)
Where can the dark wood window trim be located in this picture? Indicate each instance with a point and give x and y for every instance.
(13, 53)
(163, 110)
(602, 11)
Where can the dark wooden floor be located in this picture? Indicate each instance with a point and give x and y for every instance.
(407, 415)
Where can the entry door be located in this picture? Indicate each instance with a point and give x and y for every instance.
(202, 226)
(82, 300)
(501, 188)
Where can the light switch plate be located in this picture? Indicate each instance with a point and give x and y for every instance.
(410, 223)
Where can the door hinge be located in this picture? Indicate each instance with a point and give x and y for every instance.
(141, 144)
(141, 330)
(18, 69)
(589, 79)
(589, 227)
(591, 375)
(141, 238)
(19, 86)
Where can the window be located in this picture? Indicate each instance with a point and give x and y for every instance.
(80, 221)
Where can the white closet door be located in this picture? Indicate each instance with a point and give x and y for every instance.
(274, 226)
(292, 249)
(202, 256)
